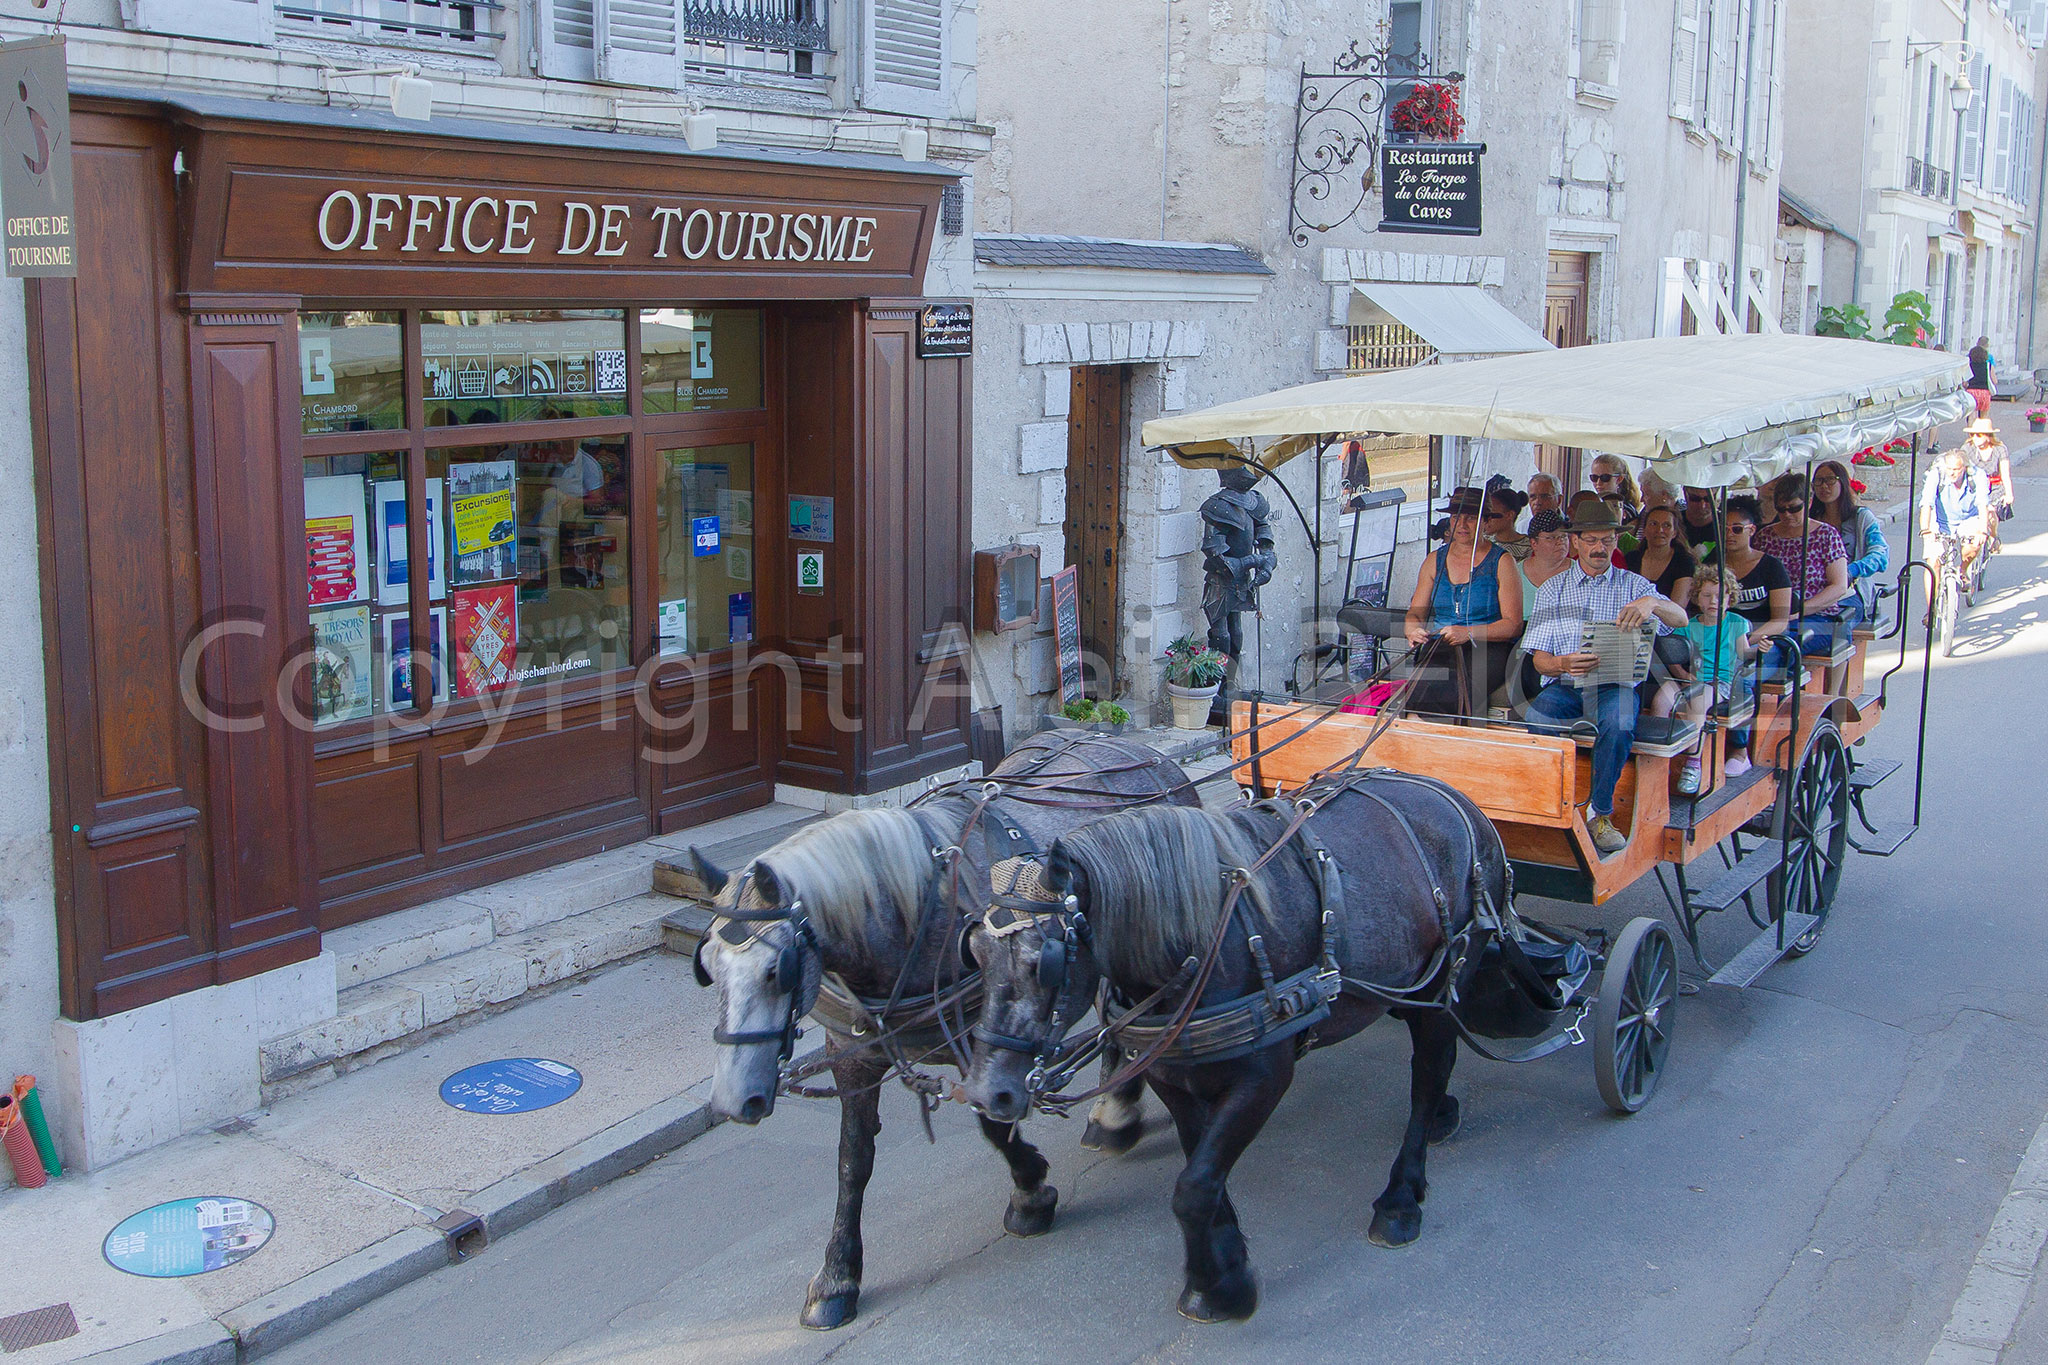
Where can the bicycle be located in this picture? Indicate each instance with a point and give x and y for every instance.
(1952, 592)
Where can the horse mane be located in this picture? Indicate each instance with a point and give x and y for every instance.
(853, 868)
(1156, 888)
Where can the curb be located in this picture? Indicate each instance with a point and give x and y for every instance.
(312, 1301)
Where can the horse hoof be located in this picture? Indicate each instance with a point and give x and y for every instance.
(1233, 1299)
(828, 1311)
(1447, 1121)
(1394, 1230)
(1030, 1215)
(1115, 1141)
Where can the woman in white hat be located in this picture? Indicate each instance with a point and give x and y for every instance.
(1989, 454)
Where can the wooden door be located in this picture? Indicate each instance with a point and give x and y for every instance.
(1095, 510)
(1564, 324)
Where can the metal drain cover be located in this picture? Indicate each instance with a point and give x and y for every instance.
(37, 1327)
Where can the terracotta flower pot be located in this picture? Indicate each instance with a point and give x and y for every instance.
(1191, 705)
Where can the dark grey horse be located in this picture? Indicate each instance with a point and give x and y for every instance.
(1135, 895)
(871, 897)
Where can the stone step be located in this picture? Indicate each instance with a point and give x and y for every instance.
(676, 874)
(377, 949)
(390, 1013)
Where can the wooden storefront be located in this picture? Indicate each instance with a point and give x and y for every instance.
(276, 318)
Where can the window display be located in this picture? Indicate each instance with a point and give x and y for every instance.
(351, 372)
(346, 562)
(705, 559)
(525, 365)
(700, 359)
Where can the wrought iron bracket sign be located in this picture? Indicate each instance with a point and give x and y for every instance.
(1430, 187)
(1341, 125)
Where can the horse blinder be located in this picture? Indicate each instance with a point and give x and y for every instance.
(697, 967)
(1052, 963)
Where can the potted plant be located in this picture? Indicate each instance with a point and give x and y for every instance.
(1428, 113)
(1088, 714)
(1194, 672)
(2037, 419)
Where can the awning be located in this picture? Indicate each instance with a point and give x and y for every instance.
(1707, 410)
(1457, 319)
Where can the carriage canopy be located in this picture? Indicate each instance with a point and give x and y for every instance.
(1709, 411)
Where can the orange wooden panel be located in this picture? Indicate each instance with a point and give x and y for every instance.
(1512, 776)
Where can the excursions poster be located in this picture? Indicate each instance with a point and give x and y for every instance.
(486, 629)
(341, 665)
(336, 540)
(481, 512)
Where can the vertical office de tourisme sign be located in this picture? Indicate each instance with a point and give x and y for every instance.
(35, 159)
(1430, 187)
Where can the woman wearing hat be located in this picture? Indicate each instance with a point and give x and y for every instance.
(1989, 454)
(1463, 598)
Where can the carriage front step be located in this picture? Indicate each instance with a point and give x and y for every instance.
(1882, 843)
(1763, 950)
(1872, 771)
(1739, 880)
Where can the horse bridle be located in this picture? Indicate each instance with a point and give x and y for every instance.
(787, 974)
(1064, 931)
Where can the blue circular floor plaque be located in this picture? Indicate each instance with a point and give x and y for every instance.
(511, 1085)
(188, 1236)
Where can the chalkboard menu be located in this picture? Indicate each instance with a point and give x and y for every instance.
(945, 329)
(1430, 187)
(1066, 621)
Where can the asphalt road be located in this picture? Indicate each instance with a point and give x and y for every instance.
(1811, 1183)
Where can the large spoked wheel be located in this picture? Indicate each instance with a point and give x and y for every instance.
(1814, 811)
(1632, 1014)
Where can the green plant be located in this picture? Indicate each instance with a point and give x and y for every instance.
(1191, 663)
(1090, 711)
(1909, 321)
(1850, 320)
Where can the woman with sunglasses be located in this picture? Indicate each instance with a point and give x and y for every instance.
(1834, 502)
(1763, 590)
(1662, 557)
(1611, 480)
(1497, 522)
(1463, 598)
(1818, 562)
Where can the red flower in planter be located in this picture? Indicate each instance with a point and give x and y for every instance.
(1430, 109)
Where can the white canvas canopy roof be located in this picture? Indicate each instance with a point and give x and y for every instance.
(1706, 410)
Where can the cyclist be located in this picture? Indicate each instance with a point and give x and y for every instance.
(1989, 454)
(1955, 505)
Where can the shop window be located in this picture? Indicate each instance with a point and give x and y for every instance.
(536, 540)
(357, 570)
(700, 359)
(351, 372)
(526, 365)
(705, 559)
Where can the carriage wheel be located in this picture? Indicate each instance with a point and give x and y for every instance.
(1816, 804)
(1632, 1014)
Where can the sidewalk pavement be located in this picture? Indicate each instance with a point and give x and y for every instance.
(358, 1171)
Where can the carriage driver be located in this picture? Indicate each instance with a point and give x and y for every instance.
(1595, 588)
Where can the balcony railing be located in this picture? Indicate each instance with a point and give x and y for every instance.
(786, 36)
(456, 24)
(1925, 178)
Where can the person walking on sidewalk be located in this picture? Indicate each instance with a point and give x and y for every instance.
(1595, 589)
(1981, 365)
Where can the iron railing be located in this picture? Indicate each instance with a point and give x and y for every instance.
(1373, 346)
(435, 22)
(790, 36)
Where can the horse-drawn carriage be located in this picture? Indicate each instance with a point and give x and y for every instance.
(1373, 869)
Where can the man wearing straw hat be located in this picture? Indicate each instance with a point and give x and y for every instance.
(1595, 589)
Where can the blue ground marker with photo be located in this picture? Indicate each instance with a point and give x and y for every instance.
(188, 1236)
(511, 1085)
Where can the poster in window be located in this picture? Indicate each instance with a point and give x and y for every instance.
(397, 661)
(340, 671)
(480, 509)
(337, 544)
(485, 623)
(394, 563)
(736, 506)
(673, 620)
(739, 617)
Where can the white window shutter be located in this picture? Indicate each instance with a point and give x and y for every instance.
(903, 57)
(2037, 23)
(1973, 124)
(642, 42)
(566, 37)
(2001, 157)
(1685, 37)
(227, 21)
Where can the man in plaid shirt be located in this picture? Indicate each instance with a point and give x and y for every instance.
(1594, 589)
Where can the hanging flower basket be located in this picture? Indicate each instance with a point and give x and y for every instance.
(1428, 113)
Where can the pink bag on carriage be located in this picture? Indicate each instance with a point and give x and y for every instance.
(1369, 702)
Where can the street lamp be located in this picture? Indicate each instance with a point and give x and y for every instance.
(1961, 93)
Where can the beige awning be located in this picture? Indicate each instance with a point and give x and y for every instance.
(1455, 319)
(1706, 410)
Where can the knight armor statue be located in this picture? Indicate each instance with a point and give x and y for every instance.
(1237, 556)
